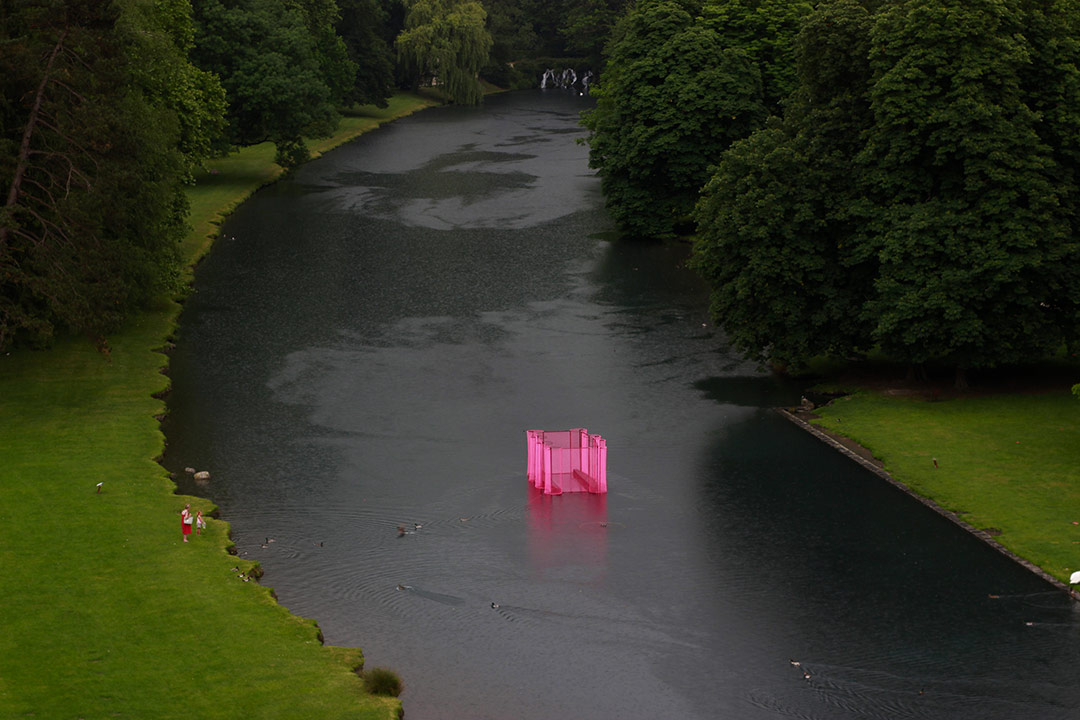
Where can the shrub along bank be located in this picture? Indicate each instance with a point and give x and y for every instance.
(106, 612)
(1007, 464)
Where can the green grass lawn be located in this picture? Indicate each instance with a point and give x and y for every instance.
(1009, 462)
(105, 612)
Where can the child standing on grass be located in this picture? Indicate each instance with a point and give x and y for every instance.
(199, 523)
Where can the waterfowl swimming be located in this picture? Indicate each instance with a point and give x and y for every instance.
(796, 663)
(495, 605)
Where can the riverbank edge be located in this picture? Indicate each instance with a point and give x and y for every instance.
(199, 243)
(856, 452)
(107, 611)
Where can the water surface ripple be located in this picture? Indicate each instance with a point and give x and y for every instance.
(367, 345)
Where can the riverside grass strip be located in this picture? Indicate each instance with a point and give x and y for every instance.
(106, 612)
(1008, 465)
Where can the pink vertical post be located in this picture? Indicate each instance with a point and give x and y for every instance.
(538, 458)
(601, 476)
(550, 487)
(583, 450)
(530, 441)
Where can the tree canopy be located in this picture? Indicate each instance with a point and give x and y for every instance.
(776, 219)
(94, 154)
(684, 80)
(673, 98)
(919, 194)
(272, 67)
(363, 26)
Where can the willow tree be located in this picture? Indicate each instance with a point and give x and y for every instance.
(446, 40)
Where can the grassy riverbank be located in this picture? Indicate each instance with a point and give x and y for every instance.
(106, 613)
(1007, 463)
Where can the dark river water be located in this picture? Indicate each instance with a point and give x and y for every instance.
(365, 349)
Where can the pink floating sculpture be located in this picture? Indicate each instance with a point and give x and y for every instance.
(567, 461)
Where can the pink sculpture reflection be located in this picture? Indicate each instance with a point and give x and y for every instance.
(567, 461)
(568, 536)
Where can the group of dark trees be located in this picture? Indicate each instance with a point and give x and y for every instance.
(103, 118)
(899, 175)
(109, 106)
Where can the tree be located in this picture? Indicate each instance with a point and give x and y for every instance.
(336, 67)
(977, 254)
(673, 98)
(588, 26)
(270, 66)
(775, 224)
(93, 160)
(512, 39)
(362, 27)
(919, 196)
(165, 74)
(766, 30)
(447, 40)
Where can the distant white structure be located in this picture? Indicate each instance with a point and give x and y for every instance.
(565, 80)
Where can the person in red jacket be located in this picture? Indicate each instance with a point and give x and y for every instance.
(186, 520)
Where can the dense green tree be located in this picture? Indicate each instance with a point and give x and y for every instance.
(588, 25)
(673, 98)
(766, 30)
(776, 229)
(512, 33)
(447, 40)
(363, 27)
(920, 194)
(546, 18)
(976, 249)
(92, 160)
(272, 70)
(336, 67)
(164, 73)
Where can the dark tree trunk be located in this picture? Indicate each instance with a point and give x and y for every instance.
(28, 133)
